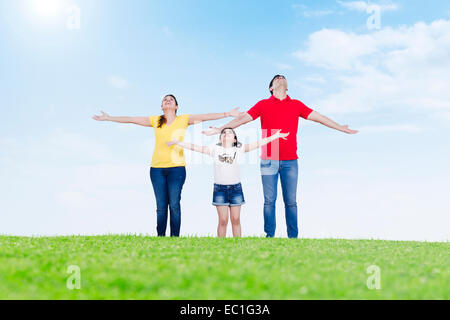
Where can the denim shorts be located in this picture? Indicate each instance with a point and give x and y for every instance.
(228, 195)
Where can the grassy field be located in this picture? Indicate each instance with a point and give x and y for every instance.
(138, 267)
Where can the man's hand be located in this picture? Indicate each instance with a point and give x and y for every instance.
(317, 117)
(212, 131)
(349, 131)
(103, 117)
(171, 143)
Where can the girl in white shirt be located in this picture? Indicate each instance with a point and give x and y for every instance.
(228, 154)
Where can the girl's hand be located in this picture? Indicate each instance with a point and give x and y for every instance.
(281, 135)
(235, 112)
(171, 143)
(103, 117)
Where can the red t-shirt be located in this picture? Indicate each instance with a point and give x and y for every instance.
(275, 115)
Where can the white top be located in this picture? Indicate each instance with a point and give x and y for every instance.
(227, 163)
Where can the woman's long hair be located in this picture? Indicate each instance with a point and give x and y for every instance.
(162, 119)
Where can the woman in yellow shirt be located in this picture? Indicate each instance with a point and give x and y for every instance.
(168, 167)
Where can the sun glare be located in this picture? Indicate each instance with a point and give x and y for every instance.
(48, 8)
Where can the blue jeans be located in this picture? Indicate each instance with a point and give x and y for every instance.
(288, 172)
(167, 184)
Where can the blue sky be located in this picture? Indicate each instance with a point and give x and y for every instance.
(64, 173)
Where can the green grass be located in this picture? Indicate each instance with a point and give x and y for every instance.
(138, 267)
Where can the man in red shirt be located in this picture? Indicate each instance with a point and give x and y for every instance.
(279, 158)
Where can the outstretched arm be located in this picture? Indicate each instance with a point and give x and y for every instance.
(190, 146)
(239, 121)
(197, 118)
(142, 121)
(317, 117)
(262, 142)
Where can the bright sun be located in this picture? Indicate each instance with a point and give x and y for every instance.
(48, 7)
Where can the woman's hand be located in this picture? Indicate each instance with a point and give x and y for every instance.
(103, 117)
(212, 131)
(171, 143)
(234, 113)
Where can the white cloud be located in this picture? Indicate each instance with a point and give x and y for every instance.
(117, 82)
(303, 10)
(406, 67)
(298, 6)
(335, 49)
(363, 5)
(316, 13)
(315, 79)
(354, 5)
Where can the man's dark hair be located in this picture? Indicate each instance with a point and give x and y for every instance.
(271, 82)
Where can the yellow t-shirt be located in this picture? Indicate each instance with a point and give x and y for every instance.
(173, 156)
